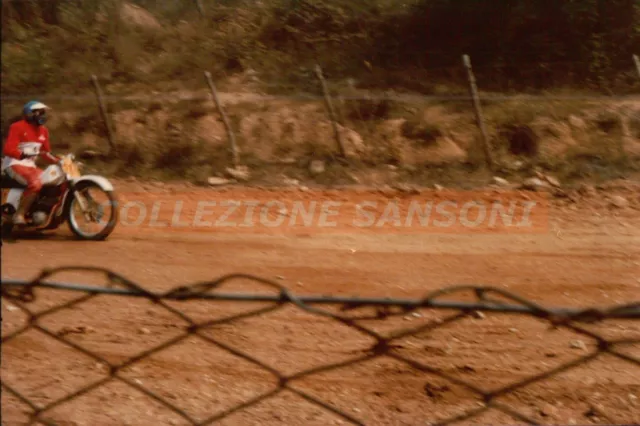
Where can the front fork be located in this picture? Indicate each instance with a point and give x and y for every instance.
(84, 203)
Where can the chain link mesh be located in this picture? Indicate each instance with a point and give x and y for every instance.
(465, 301)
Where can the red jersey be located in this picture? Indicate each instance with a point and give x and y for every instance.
(28, 140)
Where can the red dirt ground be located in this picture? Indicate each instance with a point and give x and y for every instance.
(584, 253)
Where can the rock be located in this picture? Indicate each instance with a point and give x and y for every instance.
(405, 188)
(553, 181)
(513, 165)
(317, 167)
(559, 193)
(217, 181)
(548, 410)
(577, 122)
(291, 182)
(578, 344)
(353, 177)
(632, 147)
(534, 184)
(353, 141)
(240, 173)
(586, 190)
(595, 411)
(500, 181)
(288, 160)
(438, 187)
(387, 191)
(134, 15)
(443, 151)
(209, 127)
(555, 138)
(618, 201)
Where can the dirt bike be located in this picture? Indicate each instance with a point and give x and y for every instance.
(64, 191)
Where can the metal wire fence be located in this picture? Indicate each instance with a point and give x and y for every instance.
(464, 301)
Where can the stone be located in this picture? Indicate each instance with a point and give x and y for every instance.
(317, 167)
(291, 182)
(578, 344)
(217, 181)
(618, 201)
(577, 122)
(534, 184)
(553, 181)
(586, 190)
(500, 181)
(407, 189)
(240, 173)
(548, 410)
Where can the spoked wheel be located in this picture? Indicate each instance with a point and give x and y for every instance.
(93, 212)
(7, 232)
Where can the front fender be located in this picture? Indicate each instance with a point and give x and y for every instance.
(101, 181)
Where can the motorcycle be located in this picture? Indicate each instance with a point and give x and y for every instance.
(64, 191)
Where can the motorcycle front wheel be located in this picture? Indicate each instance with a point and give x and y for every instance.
(84, 207)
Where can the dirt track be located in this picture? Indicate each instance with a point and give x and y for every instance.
(588, 255)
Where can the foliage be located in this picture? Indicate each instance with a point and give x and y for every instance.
(514, 44)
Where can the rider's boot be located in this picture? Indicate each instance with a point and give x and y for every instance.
(23, 207)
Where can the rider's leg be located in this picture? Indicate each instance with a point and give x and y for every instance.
(30, 176)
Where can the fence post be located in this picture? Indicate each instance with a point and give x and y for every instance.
(478, 110)
(332, 114)
(103, 112)
(637, 61)
(227, 125)
(200, 8)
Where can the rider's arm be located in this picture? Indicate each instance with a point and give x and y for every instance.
(46, 150)
(11, 144)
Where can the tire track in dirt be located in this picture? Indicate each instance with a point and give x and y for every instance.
(579, 268)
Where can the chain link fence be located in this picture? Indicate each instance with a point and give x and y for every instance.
(437, 310)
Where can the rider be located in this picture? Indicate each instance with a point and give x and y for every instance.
(27, 139)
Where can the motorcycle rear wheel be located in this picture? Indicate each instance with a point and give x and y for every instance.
(7, 223)
(109, 225)
(6, 231)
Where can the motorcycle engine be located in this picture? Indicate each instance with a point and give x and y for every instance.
(47, 198)
(39, 218)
